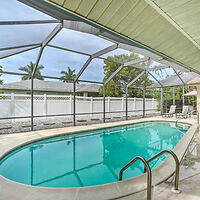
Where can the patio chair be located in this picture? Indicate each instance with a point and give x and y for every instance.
(171, 111)
(184, 113)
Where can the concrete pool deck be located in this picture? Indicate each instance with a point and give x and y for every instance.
(11, 190)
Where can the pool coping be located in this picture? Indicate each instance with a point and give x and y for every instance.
(116, 190)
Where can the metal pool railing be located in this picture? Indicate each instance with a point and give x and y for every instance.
(149, 173)
(177, 165)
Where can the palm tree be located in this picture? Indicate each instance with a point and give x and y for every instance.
(29, 70)
(68, 75)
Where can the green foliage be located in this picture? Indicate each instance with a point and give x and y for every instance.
(68, 76)
(126, 75)
(179, 94)
(29, 70)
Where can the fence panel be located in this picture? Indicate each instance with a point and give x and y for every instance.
(19, 105)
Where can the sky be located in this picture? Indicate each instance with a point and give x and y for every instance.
(54, 60)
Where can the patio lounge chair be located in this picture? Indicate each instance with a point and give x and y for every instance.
(171, 111)
(184, 113)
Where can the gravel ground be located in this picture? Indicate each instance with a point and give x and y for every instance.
(23, 125)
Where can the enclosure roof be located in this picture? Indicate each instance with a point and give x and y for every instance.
(187, 78)
(169, 29)
(51, 86)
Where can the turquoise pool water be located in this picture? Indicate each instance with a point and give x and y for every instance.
(90, 158)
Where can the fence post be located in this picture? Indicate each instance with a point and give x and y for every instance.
(122, 106)
(45, 104)
(134, 104)
(91, 105)
(152, 106)
(70, 104)
(144, 102)
(161, 101)
(12, 105)
(109, 105)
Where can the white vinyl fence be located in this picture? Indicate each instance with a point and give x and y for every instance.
(19, 105)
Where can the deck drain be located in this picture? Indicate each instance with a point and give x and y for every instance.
(81, 120)
(67, 122)
(95, 119)
(49, 123)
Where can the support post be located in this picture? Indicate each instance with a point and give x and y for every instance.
(144, 93)
(55, 31)
(161, 100)
(166, 100)
(174, 96)
(141, 60)
(183, 97)
(143, 115)
(32, 81)
(104, 103)
(74, 103)
(126, 103)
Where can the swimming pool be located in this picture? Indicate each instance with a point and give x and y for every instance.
(90, 158)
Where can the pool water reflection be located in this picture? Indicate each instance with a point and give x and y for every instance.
(91, 158)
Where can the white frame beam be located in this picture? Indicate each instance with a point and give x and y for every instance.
(129, 63)
(135, 79)
(155, 78)
(18, 52)
(95, 55)
(2, 23)
(179, 76)
(55, 31)
(20, 46)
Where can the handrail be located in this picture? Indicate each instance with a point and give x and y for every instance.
(149, 175)
(148, 169)
(177, 166)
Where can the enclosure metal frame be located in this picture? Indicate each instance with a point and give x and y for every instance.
(98, 55)
(133, 62)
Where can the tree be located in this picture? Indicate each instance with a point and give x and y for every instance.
(126, 75)
(29, 70)
(1, 81)
(68, 75)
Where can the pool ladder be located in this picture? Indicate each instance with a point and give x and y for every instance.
(148, 169)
